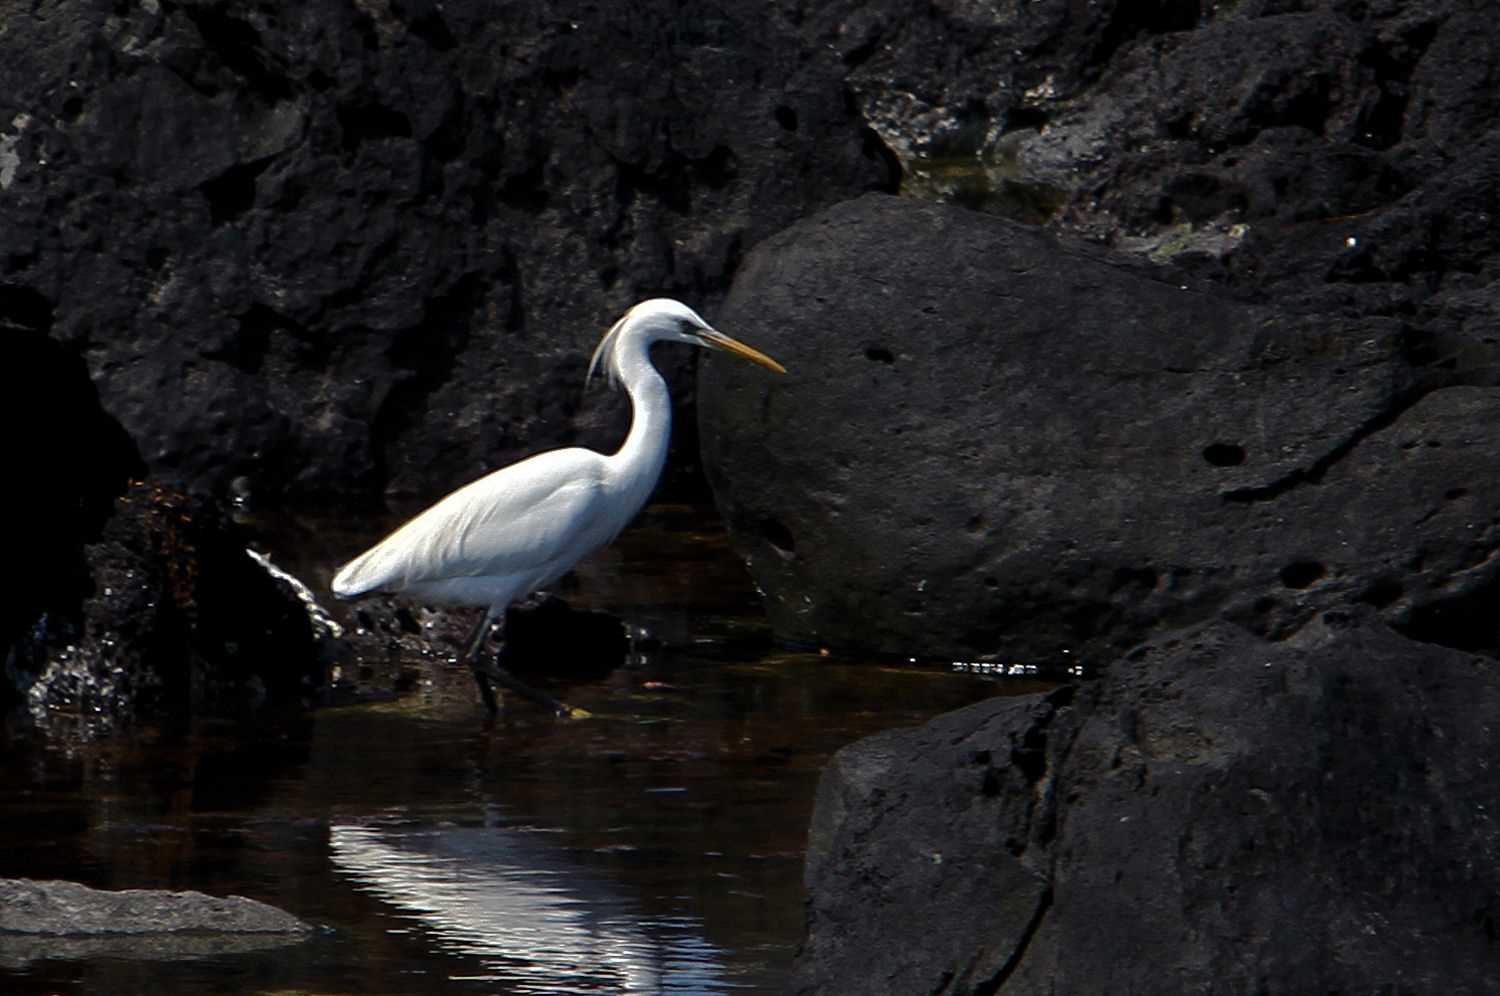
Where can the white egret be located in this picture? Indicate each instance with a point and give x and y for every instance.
(518, 528)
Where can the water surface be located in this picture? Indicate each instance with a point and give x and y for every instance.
(656, 847)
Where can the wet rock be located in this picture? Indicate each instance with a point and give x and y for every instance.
(56, 920)
(393, 647)
(68, 908)
(368, 248)
(67, 460)
(1218, 813)
(547, 636)
(178, 621)
(1001, 444)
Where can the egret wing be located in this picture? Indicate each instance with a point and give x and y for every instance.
(519, 521)
(548, 517)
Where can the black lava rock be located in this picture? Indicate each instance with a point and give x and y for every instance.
(178, 621)
(1219, 814)
(990, 442)
(358, 249)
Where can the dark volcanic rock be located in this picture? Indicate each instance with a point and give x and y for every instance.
(1332, 156)
(394, 645)
(1218, 814)
(178, 621)
(988, 442)
(67, 460)
(1260, 134)
(340, 248)
(142, 606)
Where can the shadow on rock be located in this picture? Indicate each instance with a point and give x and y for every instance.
(68, 461)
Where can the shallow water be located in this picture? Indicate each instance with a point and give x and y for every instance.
(656, 847)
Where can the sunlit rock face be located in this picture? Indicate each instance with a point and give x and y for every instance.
(1219, 813)
(990, 442)
(1250, 138)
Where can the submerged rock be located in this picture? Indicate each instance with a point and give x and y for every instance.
(1218, 814)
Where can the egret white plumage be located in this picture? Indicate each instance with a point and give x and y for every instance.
(514, 530)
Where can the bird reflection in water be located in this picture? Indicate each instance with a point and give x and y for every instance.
(499, 895)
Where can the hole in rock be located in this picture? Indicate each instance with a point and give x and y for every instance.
(1463, 622)
(1138, 578)
(367, 121)
(1382, 593)
(779, 536)
(24, 308)
(1301, 573)
(232, 192)
(877, 355)
(1224, 454)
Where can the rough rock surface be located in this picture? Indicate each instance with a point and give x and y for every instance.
(1219, 814)
(177, 620)
(989, 442)
(1253, 139)
(68, 908)
(354, 247)
(394, 644)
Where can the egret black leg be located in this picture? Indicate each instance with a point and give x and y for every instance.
(488, 673)
(472, 656)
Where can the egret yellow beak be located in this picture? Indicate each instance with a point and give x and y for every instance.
(718, 340)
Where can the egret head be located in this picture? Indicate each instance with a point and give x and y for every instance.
(663, 319)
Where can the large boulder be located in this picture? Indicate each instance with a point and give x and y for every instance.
(992, 443)
(1261, 135)
(355, 247)
(1219, 814)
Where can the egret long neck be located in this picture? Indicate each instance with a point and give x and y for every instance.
(644, 452)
